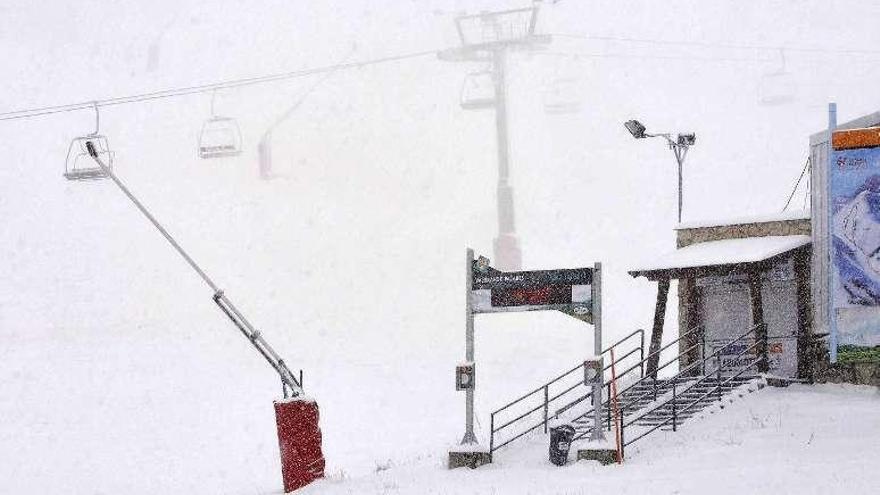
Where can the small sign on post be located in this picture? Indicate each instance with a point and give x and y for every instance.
(592, 371)
(465, 376)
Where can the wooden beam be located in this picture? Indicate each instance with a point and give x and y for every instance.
(692, 318)
(804, 317)
(758, 320)
(657, 330)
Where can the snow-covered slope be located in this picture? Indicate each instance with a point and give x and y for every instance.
(776, 441)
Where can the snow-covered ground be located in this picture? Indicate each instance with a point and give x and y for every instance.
(800, 440)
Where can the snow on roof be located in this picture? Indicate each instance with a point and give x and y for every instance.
(726, 252)
(773, 217)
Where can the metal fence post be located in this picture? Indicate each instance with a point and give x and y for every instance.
(642, 354)
(608, 407)
(674, 412)
(718, 383)
(546, 396)
(491, 433)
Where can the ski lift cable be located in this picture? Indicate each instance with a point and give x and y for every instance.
(648, 57)
(717, 45)
(288, 380)
(234, 83)
(311, 89)
(798, 183)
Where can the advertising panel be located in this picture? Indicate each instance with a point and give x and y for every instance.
(855, 250)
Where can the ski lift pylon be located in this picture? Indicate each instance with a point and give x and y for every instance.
(220, 136)
(79, 164)
(478, 91)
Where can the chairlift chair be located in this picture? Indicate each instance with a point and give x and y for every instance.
(220, 136)
(79, 164)
(478, 91)
(777, 87)
(561, 97)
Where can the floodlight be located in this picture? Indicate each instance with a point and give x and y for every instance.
(635, 128)
(679, 147)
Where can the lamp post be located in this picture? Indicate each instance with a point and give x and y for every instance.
(679, 147)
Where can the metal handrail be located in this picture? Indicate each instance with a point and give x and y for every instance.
(691, 404)
(623, 407)
(672, 380)
(653, 379)
(565, 374)
(560, 394)
(702, 361)
(604, 369)
(692, 365)
(545, 389)
(641, 365)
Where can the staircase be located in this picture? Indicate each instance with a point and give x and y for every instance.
(702, 395)
(646, 405)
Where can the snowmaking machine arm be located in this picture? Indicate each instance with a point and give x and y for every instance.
(290, 384)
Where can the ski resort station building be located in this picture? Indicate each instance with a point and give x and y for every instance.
(733, 276)
(771, 275)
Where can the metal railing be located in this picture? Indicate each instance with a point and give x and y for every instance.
(655, 389)
(673, 402)
(542, 395)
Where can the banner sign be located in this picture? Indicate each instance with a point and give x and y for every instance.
(781, 353)
(566, 290)
(855, 254)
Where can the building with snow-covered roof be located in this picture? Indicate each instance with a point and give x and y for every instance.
(738, 276)
(775, 277)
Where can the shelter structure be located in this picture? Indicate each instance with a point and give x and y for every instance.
(751, 273)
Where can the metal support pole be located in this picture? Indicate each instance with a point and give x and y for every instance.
(674, 410)
(829, 289)
(598, 433)
(506, 246)
(680, 159)
(718, 378)
(491, 433)
(622, 429)
(608, 391)
(546, 401)
(469, 436)
(642, 355)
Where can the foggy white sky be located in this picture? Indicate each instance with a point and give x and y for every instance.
(350, 261)
(385, 153)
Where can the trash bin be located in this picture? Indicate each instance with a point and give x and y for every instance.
(560, 443)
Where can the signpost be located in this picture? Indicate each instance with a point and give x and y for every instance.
(573, 291)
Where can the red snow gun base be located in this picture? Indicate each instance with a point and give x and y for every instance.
(299, 440)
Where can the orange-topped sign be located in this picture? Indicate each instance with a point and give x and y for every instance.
(856, 138)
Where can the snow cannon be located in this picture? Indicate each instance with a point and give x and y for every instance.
(296, 417)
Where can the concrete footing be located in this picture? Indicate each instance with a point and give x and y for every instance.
(604, 456)
(471, 459)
